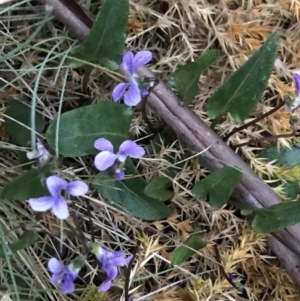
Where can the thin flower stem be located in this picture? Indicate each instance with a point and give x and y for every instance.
(292, 134)
(90, 219)
(129, 266)
(144, 103)
(244, 126)
(219, 259)
(78, 232)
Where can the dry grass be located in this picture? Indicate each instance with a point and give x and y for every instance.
(176, 31)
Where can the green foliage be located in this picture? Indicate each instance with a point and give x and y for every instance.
(128, 195)
(106, 39)
(241, 92)
(219, 185)
(291, 190)
(185, 79)
(159, 188)
(188, 249)
(27, 239)
(26, 185)
(276, 217)
(19, 130)
(79, 128)
(286, 157)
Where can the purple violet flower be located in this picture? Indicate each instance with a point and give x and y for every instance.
(107, 158)
(56, 201)
(131, 90)
(109, 260)
(294, 102)
(63, 276)
(40, 153)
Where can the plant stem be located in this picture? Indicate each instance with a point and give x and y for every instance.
(244, 126)
(293, 133)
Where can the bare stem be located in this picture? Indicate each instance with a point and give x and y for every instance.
(244, 126)
(271, 138)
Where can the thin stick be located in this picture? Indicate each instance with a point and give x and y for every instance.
(292, 134)
(90, 219)
(144, 103)
(127, 277)
(244, 126)
(223, 271)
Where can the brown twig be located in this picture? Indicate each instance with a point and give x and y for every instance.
(244, 126)
(128, 270)
(198, 136)
(223, 271)
(254, 141)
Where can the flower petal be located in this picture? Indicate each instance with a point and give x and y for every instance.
(297, 82)
(55, 184)
(120, 175)
(77, 188)
(104, 287)
(105, 160)
(119, 90)
(55, 266)
(130, 148)
(103, 145)
(112, 273)
(128, 62)
(60, 208)
(133, 96)
(142, 58)
(41, 204)
(68, 285)
(144, 92)
(120, 260)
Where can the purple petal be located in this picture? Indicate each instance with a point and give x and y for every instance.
(120, 175)
(57, 278)
(112, 273)
(105, 160)
(77, 188)
(104, 287)
(55, 266)
(120, 260)
(119, 90)
(60, 208)
(104, 145)
(130, 148)
(43, 152)
(142, 58)
(55, 184)
(41, 204)
(68, 286)
(133, 96)
(144, 92)
(128, 62)
(297, 82)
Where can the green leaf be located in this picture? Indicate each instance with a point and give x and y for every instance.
(106, 39)
(27, 239)
(286, 157)
(188, 249)
(219, 186)
(185, 79)
(291, 190)
(26, 185)
(242, 91)
(276, 217)
(128, 195)
(79, 128)
(19, 130)
(246, 212)
(159, 188)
